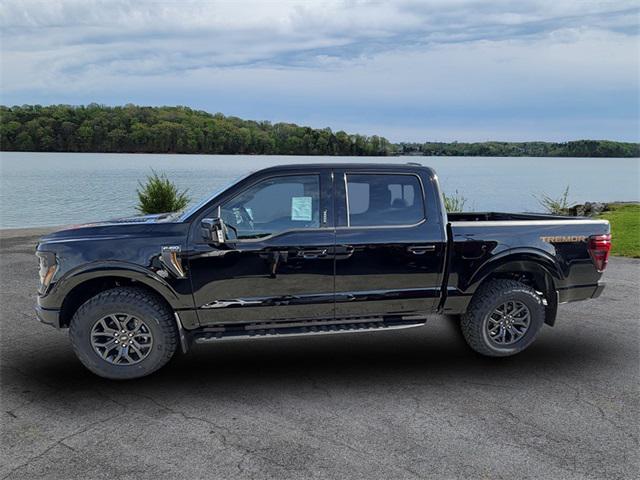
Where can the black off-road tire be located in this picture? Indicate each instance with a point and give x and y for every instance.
(484, 302)
(132, 301)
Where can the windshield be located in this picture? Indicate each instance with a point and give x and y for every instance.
(182, 215)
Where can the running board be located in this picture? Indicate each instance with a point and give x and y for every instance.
(302, 328)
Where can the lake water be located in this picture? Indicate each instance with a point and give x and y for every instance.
(42, 189)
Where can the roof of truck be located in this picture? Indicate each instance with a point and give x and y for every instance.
(350, 165)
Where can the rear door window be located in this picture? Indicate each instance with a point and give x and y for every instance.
(382, 200)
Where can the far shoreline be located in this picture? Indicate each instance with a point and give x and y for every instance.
(179, 129)
(187, 154)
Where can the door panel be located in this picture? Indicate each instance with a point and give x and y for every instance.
(286, 277)
(382, 266)
(381, 271)
(282, 265)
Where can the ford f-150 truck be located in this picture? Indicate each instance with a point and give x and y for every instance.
(312, 250)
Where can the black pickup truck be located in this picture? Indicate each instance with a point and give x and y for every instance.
(310, 250)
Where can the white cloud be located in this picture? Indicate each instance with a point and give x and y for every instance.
(428, 59)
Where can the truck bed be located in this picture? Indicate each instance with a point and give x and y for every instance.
(560, 243)
(503, 216)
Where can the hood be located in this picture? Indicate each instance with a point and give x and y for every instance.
(126, 226)
(136, 219)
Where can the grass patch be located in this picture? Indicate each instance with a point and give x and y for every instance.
(625, 229)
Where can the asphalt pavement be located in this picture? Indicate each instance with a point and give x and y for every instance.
(407, 404)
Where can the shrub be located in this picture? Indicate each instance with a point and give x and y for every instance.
(160, 195)
(557, 206)
(454, 203)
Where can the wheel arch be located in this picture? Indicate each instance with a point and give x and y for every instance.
(532, 267)
(78, 287)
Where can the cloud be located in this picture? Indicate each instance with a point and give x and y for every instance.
(436, 66)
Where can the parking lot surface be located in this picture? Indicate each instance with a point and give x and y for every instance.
(406, 404)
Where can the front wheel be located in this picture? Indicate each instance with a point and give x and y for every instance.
(123, 333)
(503, 318)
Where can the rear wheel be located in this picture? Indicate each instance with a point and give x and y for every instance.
(503, 318)
(123, 333)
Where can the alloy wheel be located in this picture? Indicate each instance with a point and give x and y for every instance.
(121, 339)
(508, 323)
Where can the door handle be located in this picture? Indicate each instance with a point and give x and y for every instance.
(421, 249)
(314, 253)
(343, 252)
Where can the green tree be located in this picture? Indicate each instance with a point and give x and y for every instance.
(160, 195)
(132, 128)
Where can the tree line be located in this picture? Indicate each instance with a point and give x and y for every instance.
(578, 148)
(136, 129)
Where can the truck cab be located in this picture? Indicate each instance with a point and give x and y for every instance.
(318, 242)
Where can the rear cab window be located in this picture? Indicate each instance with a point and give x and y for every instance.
(379, 199)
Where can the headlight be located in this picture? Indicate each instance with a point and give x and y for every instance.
(48, 267)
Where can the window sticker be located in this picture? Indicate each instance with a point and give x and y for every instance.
(301, 208)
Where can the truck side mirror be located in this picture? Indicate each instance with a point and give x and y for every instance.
(214, 230)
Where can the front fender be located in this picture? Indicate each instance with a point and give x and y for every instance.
(126, 270)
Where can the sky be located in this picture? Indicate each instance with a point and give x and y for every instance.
(431, 70)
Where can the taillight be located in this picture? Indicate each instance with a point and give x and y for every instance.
(599, 248)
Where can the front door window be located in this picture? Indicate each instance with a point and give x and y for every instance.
(273, 206)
